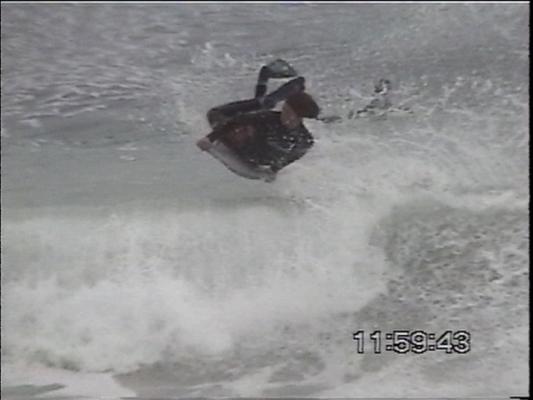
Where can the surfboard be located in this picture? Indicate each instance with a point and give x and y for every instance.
(232, 162)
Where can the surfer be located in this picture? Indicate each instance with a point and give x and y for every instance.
(264, 139)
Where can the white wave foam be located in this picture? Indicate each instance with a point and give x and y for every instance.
(20, 375)
(144, 287)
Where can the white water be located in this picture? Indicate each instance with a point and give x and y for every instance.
(128, 254)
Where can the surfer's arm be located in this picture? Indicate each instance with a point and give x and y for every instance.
(217, 133)
(228, 112)
(221, 114)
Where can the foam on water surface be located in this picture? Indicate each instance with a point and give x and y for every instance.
(133, 266)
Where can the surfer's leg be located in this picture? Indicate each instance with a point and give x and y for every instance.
(276, 69)
(225, 112)
(262, 82)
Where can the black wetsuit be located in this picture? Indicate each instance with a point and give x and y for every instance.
(271, 143)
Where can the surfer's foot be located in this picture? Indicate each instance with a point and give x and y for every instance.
(276, 69)
(280, 69)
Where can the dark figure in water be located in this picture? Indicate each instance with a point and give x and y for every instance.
(265, 139)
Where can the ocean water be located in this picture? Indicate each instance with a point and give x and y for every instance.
(135, 266)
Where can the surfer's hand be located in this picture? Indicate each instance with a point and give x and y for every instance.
(204, 144)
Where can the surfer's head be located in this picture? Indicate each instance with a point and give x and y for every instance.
(303, 105)
(297, 107)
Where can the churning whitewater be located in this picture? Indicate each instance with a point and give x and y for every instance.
(135, 265)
